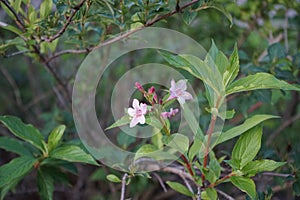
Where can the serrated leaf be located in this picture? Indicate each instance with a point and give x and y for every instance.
(113, 178)
(25, 132)
(247, 146)
(257, 166)
(72, 153)
(14, 145)
(16, 168)
(248, 124)
(259, 81)
(180, 188)
(45, 185)
(55, 137)
(245, 184)
(121, 122)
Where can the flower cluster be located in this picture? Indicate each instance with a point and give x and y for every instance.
(138, 110)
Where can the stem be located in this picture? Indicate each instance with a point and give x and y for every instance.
(123, 186)
(188, 164)
(209, 133)
(221, 180)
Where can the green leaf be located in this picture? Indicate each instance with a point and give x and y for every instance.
(16, 168)
(5, 189)
(45, 184)
(14, 145)
(196, 147)
(55, 137)
(197, 68)
(209, 194)
(248, 124)
(247, 146)
(192, 121)
(113, 178)
(151, 151)
(72, 153)
(233, 68)
(257, 166)
(10, 28)
(180, 188)
(259, 81)
(45, 8)
(179, 142)
(189, 16)
(244, 184)
(211, 57)
(276, 51)
(25, 132)
(121, 122)
(219, 8)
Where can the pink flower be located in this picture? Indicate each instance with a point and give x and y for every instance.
(139, 87)
(178, 90)
(172, 113)
(137, 113)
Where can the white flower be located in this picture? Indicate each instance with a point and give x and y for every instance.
(137, 113)
(178, 90)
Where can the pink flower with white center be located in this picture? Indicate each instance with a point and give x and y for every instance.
(172, 113)
(178, 91)
(137, 113)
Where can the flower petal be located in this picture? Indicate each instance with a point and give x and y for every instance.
(186, 95)
(142, 119)
(181, 85)
(131, 112)
(173, 85)
(135, 103)
(143, 108)
(134, 122)
(181, 100)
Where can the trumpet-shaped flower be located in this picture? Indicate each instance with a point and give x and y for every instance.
(178, 91)
(137, 113)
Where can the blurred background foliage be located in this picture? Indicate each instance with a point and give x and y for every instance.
(40, 57)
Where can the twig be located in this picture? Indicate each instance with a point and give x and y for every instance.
(198, 197)
(123, 186)
(178, 172)
(16, 53)
(19, 21)
(69, 20)
(187, 185)
(121, 36)
(276, 174)
(224, 194)
(160, 181)
(285, 124)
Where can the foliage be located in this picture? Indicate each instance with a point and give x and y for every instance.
(261, 75)
(51, 158)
